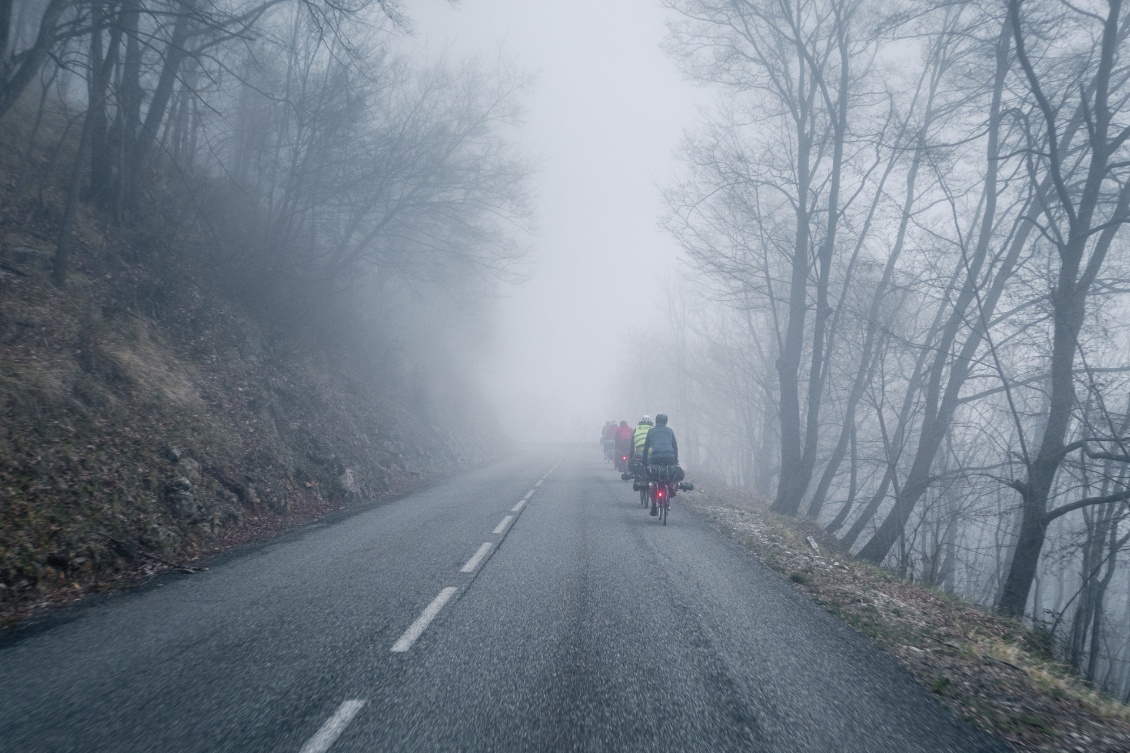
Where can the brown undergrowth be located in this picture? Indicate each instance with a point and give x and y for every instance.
(129, 445)
(989, 670)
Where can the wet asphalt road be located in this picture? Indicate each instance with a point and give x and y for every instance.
(585, 626)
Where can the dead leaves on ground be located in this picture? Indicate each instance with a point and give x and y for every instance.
(981, 666)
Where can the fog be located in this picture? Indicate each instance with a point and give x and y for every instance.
(873, 264)
(606, 112)
(874, 254)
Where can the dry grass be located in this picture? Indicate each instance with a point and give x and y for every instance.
(988, 670)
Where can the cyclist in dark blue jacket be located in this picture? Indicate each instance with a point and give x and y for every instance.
(660, 447)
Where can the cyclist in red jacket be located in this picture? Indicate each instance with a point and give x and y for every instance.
(623, 440)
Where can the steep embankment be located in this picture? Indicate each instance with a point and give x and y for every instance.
(146, 421)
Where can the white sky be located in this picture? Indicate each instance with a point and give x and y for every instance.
(607, 112)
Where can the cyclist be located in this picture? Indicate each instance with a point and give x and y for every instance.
(608, 438)
(623, 440)
(639, 437)
(660, 448)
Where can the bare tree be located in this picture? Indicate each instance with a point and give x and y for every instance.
(1079, 219)
(19, 67)
(804, 65)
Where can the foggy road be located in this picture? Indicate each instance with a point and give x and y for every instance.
(531, 605)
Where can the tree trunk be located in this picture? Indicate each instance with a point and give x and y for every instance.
(865, 366)
(100, 76)
(129, 110)
(15, 78)
(61, 264)
(5, 32)
(175, 54)
(789, 492)
(1070, 295)
(937, 417)
(29, 155)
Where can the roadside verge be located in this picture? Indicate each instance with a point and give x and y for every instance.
(993, 672)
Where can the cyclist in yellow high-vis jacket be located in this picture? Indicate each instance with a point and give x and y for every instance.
(640, 437)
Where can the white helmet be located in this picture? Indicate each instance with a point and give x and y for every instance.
(647, 420)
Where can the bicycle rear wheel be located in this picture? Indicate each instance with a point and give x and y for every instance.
(663, 511)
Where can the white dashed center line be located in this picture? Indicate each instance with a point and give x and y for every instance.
(421, 624)
(476, 558)
(334, 726)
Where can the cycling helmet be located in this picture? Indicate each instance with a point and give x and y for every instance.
(647, 420)
(661, 418)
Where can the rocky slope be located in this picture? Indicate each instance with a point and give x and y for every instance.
(146, 420)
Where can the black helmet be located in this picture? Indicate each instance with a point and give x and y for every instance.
(661, 419)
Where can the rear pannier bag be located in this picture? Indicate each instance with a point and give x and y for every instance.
(666, 473)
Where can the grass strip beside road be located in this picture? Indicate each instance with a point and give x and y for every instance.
(993, 672)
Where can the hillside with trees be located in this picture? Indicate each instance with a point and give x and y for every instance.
(248, 251)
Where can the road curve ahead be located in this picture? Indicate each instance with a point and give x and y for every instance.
(529, 606)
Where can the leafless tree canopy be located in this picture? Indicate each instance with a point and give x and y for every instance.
(315, 159)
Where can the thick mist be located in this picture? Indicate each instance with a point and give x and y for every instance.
(871, 258)
(605, 113)
(900, 310)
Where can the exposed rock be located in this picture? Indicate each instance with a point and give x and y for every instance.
(349, 482)
(184, 502)
(161, 538)
(189, 469)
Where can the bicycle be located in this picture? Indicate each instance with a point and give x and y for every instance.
(665, 487)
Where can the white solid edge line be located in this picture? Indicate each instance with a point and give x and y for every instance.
(505, 522)
(518, 507)
(421, 624)
(334, 726)
(476, 558)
